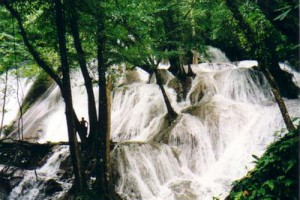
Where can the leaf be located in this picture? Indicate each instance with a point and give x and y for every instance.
(282, 15)
(291, 164)
(270, 184)
(289, 183)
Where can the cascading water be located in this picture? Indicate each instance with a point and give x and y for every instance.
(34, 184)
(227, 116)
(17, 89)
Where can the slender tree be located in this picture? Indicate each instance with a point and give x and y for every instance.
(67, 95)
(4, 101)
(63, 84)
(92, 111)
(264, 60)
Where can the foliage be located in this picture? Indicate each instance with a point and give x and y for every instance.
(265, 33)
(275, 175)
(12, 51)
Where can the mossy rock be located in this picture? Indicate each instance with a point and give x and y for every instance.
(39, 87)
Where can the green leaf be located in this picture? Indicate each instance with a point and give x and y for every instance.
(270, 184)
(282, 15)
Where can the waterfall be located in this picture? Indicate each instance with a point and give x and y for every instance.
(227, 116)
(38, 184)
(13, 95)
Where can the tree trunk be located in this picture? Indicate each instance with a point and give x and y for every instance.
(195, 57)
(80, 182)
(73, 15)
(278, 98)
(284, 80)
(20, 119)
(101, 181)
(4, 101)
(171, 112)
(107, 164)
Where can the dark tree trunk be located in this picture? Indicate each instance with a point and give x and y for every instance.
(80, 182)
(4, 100)
(102, 183)
(108, 131)
(171, 112)
(279, 100)
(83, 66)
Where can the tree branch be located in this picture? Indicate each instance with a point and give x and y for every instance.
(37, 57)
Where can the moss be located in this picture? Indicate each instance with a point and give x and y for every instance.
(39, 87)
(275, 175)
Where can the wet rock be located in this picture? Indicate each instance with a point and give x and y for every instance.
(4, 188)
(175, 84)
(14, 181)
(133, 76)
(51, 186)
(66, 171)
(24, 155)
(165, 76)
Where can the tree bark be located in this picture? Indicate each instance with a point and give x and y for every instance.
(171, 112)
(101, 178)
(278, 99)
(4, 101)
(107, 164)
(80, 182)
(73, 20)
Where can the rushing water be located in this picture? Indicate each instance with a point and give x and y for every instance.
(33, 186)
(17, 88)
(227, 115)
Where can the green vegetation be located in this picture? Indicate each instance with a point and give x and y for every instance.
(276, 174)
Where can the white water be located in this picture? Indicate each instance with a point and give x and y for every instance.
(228, 116)
(14, 95)
(33, 185)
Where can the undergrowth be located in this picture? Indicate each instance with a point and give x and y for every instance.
(276, 174)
